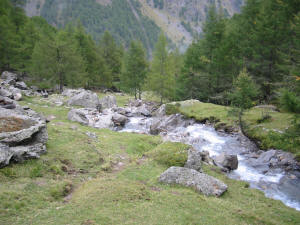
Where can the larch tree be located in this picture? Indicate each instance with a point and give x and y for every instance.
(56, 60)
(135, 68)
(160, 80)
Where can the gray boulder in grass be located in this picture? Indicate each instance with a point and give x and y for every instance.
(86, 99)
(23, 135)
(201, 182)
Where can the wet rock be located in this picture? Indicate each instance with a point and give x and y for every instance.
(108, 102)
(229, 162)
(206, 158)
(191, 178)
(122, 111)
(85, 99)
(161, 111)
(265, 157)
(23, 135)
(119, 120)
(194, 160)
(168, 123)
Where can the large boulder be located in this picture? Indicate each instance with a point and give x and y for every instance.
(226, 161)
(119, 120)
(5, 93)
(168, 123)
(161, 111)
(194, 160)
(91, 117)
(85, 99)
(16, 93)
(23, 135)
(7, 103)
(108, 102)
(203, 183)
(79, 115)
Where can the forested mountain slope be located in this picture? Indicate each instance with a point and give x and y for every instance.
(122, 18)
(181, 20)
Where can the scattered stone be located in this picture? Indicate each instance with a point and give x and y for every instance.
(92, 135)
(203, 183)
(85, 99)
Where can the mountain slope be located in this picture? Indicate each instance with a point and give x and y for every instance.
(122, 18)
(181, 20)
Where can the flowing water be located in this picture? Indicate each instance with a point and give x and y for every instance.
(275, 183)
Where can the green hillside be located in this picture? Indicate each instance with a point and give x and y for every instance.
(122, 18)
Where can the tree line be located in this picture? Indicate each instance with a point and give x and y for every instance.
(259, 45)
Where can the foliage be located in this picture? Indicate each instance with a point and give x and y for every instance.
(126, 23)
(55, 58)
(244, 92)
(135, 68)
(160, 79)
(112, 55)
(290, 101)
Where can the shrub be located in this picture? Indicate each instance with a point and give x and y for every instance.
(170, 154)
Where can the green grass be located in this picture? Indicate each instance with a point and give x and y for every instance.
(69, 184)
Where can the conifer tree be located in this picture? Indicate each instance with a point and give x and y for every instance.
(112, 56)
(160, 81)
(135, 68)
(56, 60)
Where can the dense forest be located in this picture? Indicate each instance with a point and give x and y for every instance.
(123, 19)
(261, 42)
